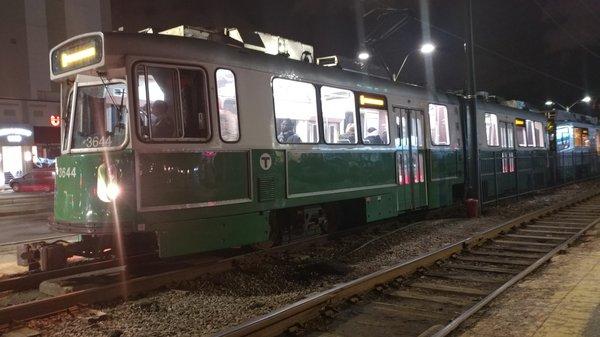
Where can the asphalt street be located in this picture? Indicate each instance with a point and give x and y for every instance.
(24, 216)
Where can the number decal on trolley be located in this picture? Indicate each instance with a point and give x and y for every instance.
(67, 172)
(97, 141)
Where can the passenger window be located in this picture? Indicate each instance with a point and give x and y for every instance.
(539, 133)
(228, 110)
(585, 138)
(339, 115)
(503, 138)
(172, 103)
(374, 123)
(373, 119)
(563, 138)
(491, 129)
(295, 111)
(530, 133)
(438, 123)
(598, 141)
(521, 132)
(581, 137)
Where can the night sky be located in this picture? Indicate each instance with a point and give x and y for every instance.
(530, 50)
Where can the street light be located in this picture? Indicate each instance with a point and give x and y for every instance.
(363, 55)
(426, 48)
(587, 99)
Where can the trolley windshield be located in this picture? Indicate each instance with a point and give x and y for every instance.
(99, 116)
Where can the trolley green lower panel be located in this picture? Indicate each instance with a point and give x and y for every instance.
(380, 207)
(202, 235)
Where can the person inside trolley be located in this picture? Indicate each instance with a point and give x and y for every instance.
(163, 125)
(288, 133)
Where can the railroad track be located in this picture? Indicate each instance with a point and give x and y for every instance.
(433, 294)
(142, 274)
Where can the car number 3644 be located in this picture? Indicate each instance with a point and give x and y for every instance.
(66, 172)
(97, 141)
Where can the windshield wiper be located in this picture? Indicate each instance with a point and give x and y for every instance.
(119, 107)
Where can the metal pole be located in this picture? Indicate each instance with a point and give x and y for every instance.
(473, 190)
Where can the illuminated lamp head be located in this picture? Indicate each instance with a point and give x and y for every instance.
(107, 184)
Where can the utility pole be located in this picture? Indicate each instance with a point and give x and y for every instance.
(473, 174)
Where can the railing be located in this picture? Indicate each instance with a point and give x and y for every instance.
(512, 174)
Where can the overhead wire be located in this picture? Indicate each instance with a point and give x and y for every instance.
(591, 10)
(569, 34)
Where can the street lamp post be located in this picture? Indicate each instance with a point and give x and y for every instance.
(426, 48)
(586, 99)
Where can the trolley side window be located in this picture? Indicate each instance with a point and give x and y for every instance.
(563, 138)
(172, 104)
(373, 119)
(227, 103)
(295, 106)
(491, 129)
(539, 134)
(581, 137)
(521, 132)
(507, 144)
(530, 133)
(339, 115)
(438, 124)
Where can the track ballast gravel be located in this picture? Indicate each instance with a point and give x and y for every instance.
(205, 306)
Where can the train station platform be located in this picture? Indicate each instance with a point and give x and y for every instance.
(560, 299)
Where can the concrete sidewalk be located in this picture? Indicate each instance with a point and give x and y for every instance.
(560, 299)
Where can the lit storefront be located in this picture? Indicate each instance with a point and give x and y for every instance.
(16, 155)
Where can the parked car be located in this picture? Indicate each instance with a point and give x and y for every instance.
(34, 181)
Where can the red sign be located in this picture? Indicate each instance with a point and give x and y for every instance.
(54, 120)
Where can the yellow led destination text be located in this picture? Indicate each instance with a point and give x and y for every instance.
(519, 122)
(366, 100)
(66, 59)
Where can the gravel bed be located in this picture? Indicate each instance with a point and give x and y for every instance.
(205, 306)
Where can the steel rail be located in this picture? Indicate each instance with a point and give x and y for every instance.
(32, 280)
(278, 321)
(465, 315)
(191, 269)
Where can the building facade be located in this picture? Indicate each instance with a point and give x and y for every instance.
(29, 101)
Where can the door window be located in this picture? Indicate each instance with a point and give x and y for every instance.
(410, 140)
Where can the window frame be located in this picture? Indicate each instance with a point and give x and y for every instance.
(541, 137)
(516, 131)
(321, 116)
(317, 109)
(179, 101)
(72, 108)
(447, 125)
(237, 99)
(530, 132)
(497, 129)
(359, 129)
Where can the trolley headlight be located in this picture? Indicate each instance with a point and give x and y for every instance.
(112, 191)
(107, 186)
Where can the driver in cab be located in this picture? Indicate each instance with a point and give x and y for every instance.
(162, 124)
